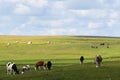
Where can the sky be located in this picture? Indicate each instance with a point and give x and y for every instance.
(60, 17)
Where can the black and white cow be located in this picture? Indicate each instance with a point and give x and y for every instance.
(98, 60)
(12, 68)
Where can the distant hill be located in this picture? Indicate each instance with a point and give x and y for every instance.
(97, 36)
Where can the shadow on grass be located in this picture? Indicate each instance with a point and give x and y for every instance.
(87, 71)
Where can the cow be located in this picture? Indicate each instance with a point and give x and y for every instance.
(11, 68)
(30, 42)
(8, 44)
(94, 46)
(98, 60)
(108, 46)
(40, 64)
(25, 68)
(102, 44)
(81, 59)
(49, 65)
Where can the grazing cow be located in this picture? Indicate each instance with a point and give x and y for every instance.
(108, 46)
(16, 41)
(30, 42)
(48, 42)
(102, 44)
(98, 61)
(11, 68)
(8, 44)
(49, 65)
(40, 64)
(81, 59)
(25, 68)
(94, 46)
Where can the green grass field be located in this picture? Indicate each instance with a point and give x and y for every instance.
(64, 53)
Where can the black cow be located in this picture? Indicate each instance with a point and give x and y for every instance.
(49, 65)
(81, 59)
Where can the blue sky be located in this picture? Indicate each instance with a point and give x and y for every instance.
(60, 17)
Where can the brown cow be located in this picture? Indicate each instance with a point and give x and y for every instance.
(40, 64)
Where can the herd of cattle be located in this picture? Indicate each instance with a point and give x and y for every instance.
(97, 60)
(101, 44)
(12, 67)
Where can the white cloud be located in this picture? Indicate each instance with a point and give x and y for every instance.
(114, 15)
(91, 13)
(88, 32)
(113, 23)
(101, 1)
(2, 25)
(73, 31)
(56, 23)
(59, 5)
(57, 9)
(1, 34)
(29, 7)
(62, 31)
(95, 25)
(57, 31)
(37, 3)
(59, 17)
(5, 18)
(60, 23)
(16, 31)
(83, 4)
(22, 9)
(13, 1)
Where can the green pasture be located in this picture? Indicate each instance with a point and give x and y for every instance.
(64, 52)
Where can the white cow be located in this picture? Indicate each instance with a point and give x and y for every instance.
(30, 42)
(11, 68)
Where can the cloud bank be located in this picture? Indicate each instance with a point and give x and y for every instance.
(60, 17)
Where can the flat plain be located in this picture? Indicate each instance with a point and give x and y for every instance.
(64, 53)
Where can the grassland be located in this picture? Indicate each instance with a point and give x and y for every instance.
(64, 52)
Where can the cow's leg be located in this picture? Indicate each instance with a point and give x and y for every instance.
(8, 72)
(97, 64)
(36, 68)
(13, 72)
(44, 67)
